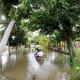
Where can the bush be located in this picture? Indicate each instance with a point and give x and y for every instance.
(43, 42)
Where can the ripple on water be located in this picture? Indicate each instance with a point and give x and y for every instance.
(40, 72)
(47, 71)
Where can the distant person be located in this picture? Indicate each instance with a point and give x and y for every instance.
(39, 55)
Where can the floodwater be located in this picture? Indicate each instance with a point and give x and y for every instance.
(48, 70)
(28, 68)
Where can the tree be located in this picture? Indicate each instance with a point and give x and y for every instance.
(61, 15)
(17, 12)
(76, 30)
(56, 38)
(49, 15)
(6, 36)
(18, 35)
(8, 5)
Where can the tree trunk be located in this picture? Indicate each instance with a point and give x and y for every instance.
(72, 50)
(6, 36)
(5, 39)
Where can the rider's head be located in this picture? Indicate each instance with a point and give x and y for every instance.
(38, 49)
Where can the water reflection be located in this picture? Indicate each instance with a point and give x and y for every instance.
(8, 59)
(47, 71)
(5, 57)
(12, 64)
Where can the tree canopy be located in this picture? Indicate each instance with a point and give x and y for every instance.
(61, 15)
(47, 15)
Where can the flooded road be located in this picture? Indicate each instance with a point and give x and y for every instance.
(46, 71)
(28, 68)
(13, 66)
(17, 71)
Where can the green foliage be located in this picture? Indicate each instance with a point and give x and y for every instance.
(20, 34)
(56, 37)
(59, 15)
(8, 6)
(13, 14)
(47, 15)
(76, 30)
(1, 3)
(19, 13)
(76, 66)
(43, 40)
(75, 70)
(24, 25)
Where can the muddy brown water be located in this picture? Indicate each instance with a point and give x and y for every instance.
(28, 68)
(17, 71)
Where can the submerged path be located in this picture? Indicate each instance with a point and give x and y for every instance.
(17, 71)
(33, 70)
(47, 71)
